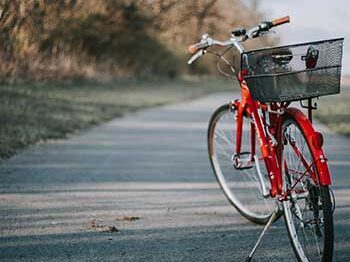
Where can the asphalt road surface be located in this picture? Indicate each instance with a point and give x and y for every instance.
(146, 180)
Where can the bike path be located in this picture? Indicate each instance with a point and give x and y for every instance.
(148, 176)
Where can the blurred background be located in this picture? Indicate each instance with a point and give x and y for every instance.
(70, 64)
(55, 40)
(310, 20)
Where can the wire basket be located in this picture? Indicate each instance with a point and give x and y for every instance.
(294, 72)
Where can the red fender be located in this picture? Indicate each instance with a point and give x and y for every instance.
(315, 141)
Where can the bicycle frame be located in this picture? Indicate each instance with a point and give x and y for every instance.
(270, 151)
(268, 134)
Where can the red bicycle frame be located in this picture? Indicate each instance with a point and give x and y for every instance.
(271, 153)
(269, 134)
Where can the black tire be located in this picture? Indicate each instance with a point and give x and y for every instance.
(240, 186)
(309, 220)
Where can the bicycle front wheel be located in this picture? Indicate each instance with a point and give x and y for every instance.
(308, 212)
(240, 185)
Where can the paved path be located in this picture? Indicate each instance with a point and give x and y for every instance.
(55, 198)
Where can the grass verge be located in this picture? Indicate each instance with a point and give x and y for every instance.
(34, 113)
(334, 111)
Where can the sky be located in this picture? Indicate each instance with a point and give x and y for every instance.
(311, 20)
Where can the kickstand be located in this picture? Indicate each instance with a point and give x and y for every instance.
(272, 219)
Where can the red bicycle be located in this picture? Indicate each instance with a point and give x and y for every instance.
(266, 155)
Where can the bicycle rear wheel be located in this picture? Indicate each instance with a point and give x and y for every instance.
(240, 185)
(308, 213)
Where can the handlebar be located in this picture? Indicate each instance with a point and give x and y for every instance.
(199, 49)
(265, 27)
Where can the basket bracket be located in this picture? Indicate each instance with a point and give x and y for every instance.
(309, 107)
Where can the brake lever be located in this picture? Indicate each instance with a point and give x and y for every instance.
(252, 32)
(258, 31)
(196, 56)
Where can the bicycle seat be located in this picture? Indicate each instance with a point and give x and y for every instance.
(274, 61)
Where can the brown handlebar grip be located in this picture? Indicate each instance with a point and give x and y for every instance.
(280, 21)
(193, 48)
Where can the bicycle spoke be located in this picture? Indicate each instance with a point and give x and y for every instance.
(240, 184)
(303, 215)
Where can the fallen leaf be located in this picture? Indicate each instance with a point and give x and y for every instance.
(128, 218)
(102, 228)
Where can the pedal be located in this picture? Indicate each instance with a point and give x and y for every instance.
(243, 160)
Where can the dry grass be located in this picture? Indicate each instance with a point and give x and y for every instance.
(58, 40)
(334, 111)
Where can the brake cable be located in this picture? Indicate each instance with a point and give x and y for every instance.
(221, 57)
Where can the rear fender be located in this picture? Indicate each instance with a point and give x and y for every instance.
(315, 141)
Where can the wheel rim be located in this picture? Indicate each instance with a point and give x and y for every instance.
(304, 217)
(241, 187)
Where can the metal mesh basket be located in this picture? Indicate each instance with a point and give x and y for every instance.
(294, 72)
